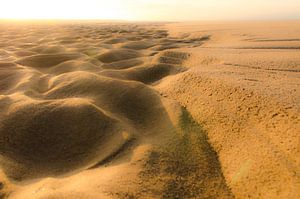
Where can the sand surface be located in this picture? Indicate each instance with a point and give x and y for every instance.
(149, 110)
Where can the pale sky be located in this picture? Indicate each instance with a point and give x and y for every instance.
(163, 10)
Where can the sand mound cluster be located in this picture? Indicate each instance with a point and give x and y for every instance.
(98, 110)
(68, 103)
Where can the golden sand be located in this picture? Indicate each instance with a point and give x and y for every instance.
(149, 110)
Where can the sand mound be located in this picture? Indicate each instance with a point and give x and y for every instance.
(49, 49)
(123, 64)
(68, 135)
(150, 74)
(138, 45)
(118, 55)
(172, 57)
(165, 47)
(24, 53)
(10, 76)
(70, 66)
(131, 102)
(115, 41)
(144, 74)
(4, 53)
(47, 60)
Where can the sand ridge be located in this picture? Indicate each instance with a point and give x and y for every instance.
(245, 92)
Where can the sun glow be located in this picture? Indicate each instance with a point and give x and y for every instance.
(162, 10)
(62, 9)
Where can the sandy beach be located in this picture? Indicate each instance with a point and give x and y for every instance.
(95, 109)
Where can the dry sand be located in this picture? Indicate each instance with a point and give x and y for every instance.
(149, 110)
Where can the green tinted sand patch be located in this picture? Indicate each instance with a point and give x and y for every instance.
(186, 167)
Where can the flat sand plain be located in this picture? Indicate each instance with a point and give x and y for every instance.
(149, 110)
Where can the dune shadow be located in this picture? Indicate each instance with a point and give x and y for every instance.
(187, 167)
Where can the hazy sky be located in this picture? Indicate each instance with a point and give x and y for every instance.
(151, 9)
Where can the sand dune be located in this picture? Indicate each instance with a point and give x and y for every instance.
(176, 110)
(138, 45)
(118, 55)
(76, 135)
(74, 65)
(46, 60)
(123, 64)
